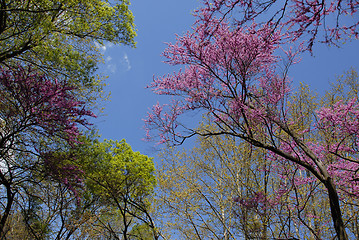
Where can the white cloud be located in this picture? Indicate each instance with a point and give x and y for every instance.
(114, 64)
(126, 62)
(112, 68)
(103, 47)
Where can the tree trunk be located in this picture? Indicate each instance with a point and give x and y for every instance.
(335, 210)
(4, 217)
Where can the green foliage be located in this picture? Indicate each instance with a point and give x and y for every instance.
(120, 183)
(199, 188)
(112, 167)
(62, 38)
(112, 200)
(34, 223)
(223, 185)
(141, 232)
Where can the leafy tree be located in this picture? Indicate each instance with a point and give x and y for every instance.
(37, 115)
(41, 29)
(225, 189)
(199, 190)
(141, 232)
(122, 182)
(112, 202)
(60, 38)
(58, 213)
(49, 54)
(232, 74)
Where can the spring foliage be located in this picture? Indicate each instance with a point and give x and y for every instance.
(234, 74)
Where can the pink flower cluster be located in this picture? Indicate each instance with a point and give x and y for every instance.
(42, 105)
(332, 19)
(221, 69)
(35, 110)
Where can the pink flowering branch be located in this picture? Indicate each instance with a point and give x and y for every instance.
(217, 73)
(326, 21)
(231, 74)
(36, 113)
(37, 103)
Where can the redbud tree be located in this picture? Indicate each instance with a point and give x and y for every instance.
(315, 21)
(234, 74)
(38, 115)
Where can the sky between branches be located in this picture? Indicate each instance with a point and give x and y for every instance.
(131, 70)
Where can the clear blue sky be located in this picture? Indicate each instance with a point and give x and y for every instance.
(131, 70)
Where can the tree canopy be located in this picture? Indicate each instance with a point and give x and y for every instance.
(49, 189)
(60, 38)
(235, 71)
(119, 180)
(328, 22)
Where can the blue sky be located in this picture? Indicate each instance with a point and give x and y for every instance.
(131, 70)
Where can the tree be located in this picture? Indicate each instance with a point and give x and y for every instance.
(199, 189)
(223, 188)
(112, 202)
(37, 116)
(141, 232)
(61, 38)
(232, 75)
(324, 21)
(48, 58)
(122, 182)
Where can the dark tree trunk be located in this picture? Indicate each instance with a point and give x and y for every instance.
(4, 217)
(335, 210)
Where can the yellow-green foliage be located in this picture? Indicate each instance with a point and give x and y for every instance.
(62, 38)
(112, 168)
